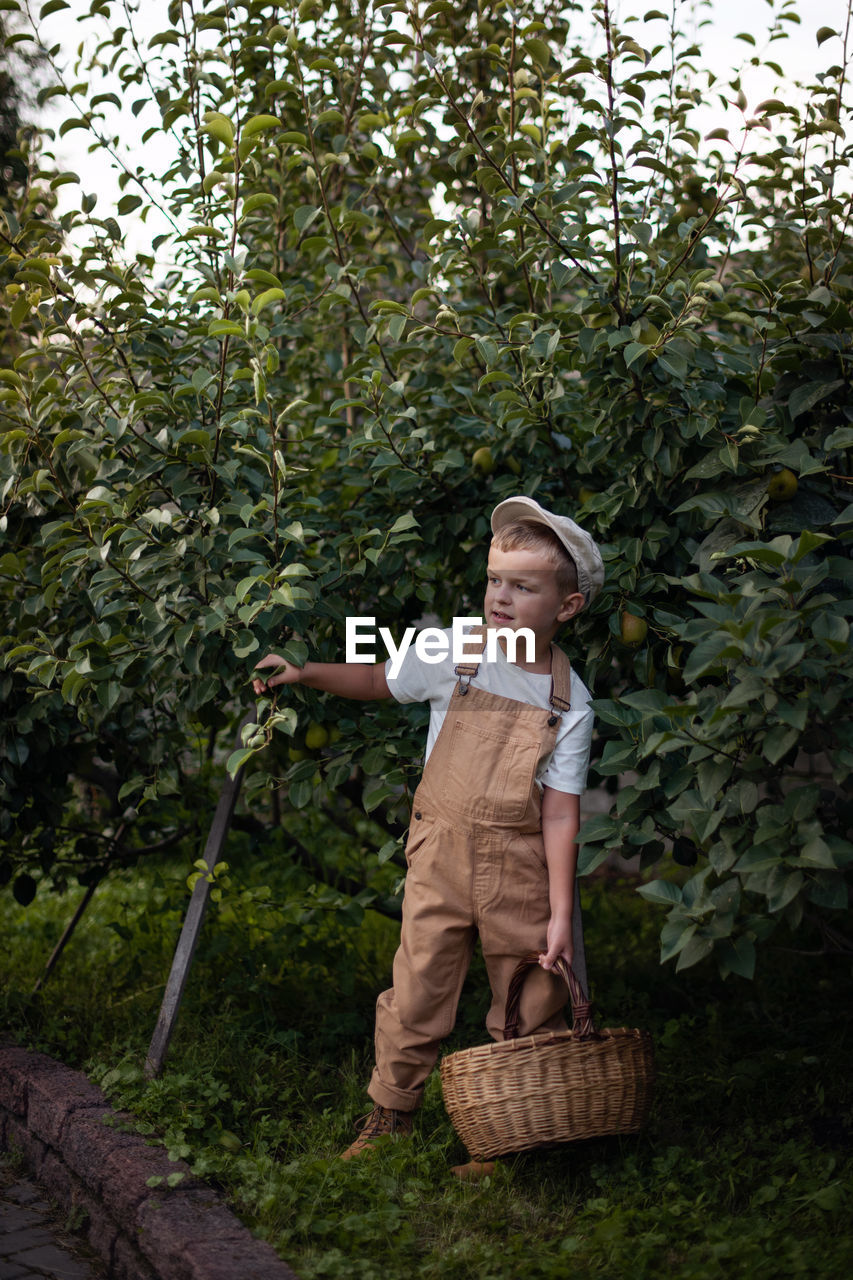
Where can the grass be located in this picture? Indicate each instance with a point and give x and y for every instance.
(744, 1169)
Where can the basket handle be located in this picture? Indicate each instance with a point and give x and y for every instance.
(583, 1026)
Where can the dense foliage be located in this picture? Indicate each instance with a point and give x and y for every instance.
(19, 70)
(513, 263)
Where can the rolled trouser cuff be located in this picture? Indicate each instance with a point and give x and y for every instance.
(385, 1095)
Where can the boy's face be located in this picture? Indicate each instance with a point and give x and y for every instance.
(522, 591)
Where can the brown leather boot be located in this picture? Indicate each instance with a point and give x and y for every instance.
(473, 1170)
(383, 1122)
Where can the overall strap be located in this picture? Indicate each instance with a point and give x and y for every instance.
(468, 670)
(561, 675)
(561, 681)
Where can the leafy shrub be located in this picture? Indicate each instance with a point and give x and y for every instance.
(389, 302)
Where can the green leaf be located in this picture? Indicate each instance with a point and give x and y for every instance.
(403, 522)
(707, 469)
(781, 887)
(807, 543)
(220, 127)
(696, 949)
(706, 654)
(673, 362)
(736, 955)
(260, 200)
(590, 858)
(220, 328)
(383, 305)
(649, 162)
(259, 276)
(829, 891)
(762, 858)
(712, 777)
(237, 760)
(842, 438)
(387, 852)
(538, 51)
(600, 827)
(264, 299)
(305, 215)
(376, 791)
(833, 630)
(674, 937)
(259, 124)
(817, 853)
(18, 312)
(461, 349)
(777, 742)
(802, 802)
(660, 892)
(488, 349)
(805, 398)
(634, 352)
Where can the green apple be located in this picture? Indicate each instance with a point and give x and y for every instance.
(633, 630)
(316, 736)
(483, 461)
(782, 485)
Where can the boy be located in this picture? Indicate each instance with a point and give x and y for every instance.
(491, 846)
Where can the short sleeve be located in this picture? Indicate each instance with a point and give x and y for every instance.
(569, 764)
(419, 681)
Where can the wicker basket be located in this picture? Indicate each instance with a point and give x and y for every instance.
(550, 1087)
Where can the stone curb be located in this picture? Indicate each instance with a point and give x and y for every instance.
(75, 1146)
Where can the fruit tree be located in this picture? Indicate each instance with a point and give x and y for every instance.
(381, 303)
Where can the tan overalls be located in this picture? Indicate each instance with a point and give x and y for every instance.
(476, 862)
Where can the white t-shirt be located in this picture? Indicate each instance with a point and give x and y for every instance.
(565, 769)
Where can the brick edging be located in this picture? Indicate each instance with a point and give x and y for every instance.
(77, 1147)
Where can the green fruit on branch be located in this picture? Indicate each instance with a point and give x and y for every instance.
(483, 461)
(782, 485)
(317, 736)
(633, 630)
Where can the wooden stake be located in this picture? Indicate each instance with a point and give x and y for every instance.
(78, 914)
(66, 936)
(193, 921)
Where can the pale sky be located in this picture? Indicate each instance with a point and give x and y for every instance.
(800, 57)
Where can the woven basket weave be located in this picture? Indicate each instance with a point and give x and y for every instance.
(551, 1087)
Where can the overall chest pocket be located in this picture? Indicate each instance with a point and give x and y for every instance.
(489, 774)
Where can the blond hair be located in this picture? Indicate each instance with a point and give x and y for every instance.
(529, 535)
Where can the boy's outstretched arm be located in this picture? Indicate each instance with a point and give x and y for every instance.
(560, 823)
(347, 679)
